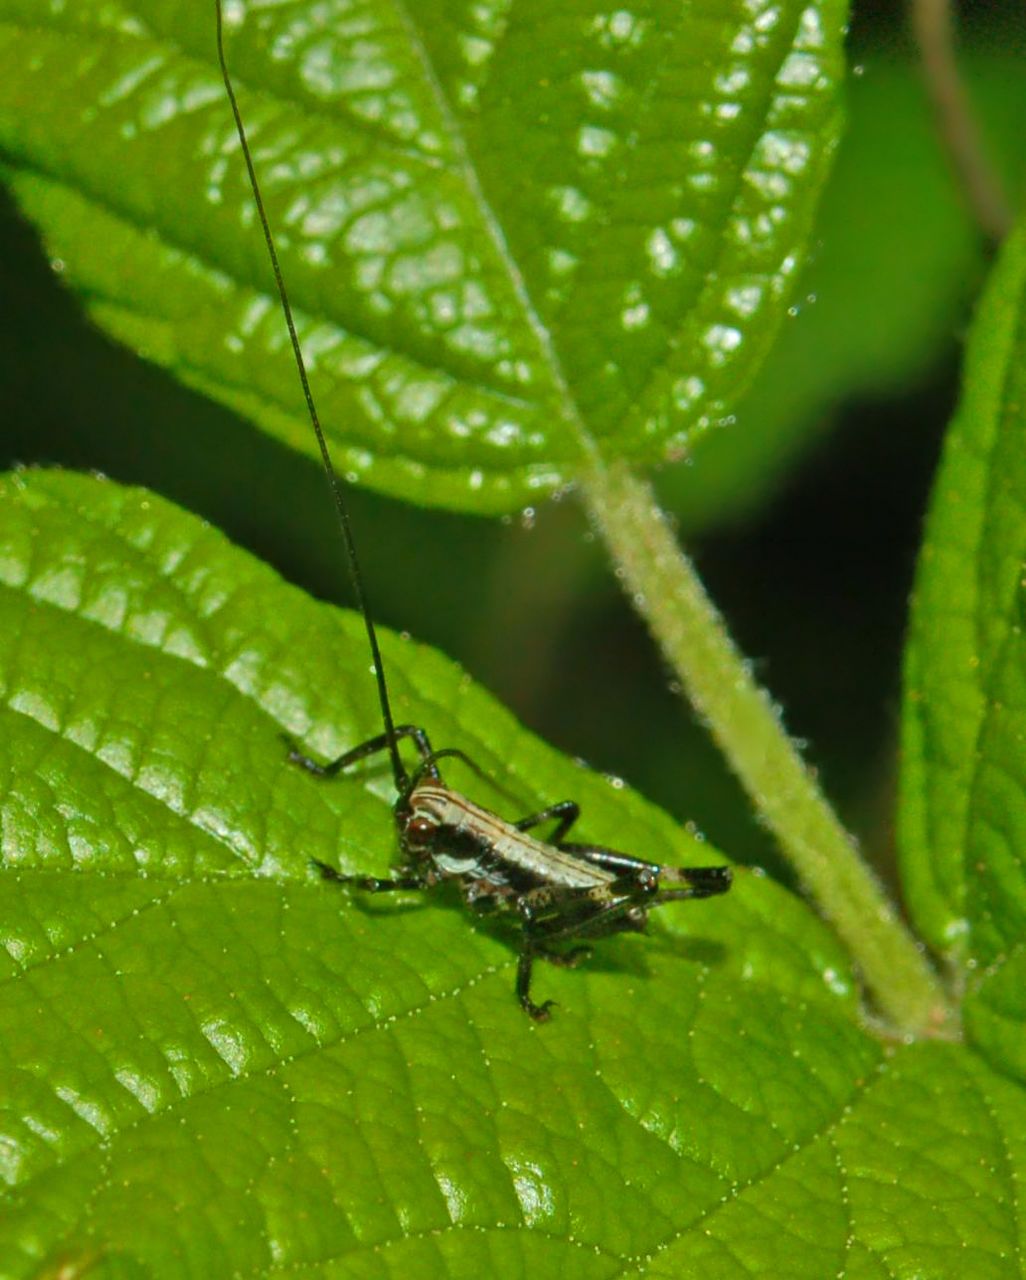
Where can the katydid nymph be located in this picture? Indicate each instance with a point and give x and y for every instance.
(557, 893)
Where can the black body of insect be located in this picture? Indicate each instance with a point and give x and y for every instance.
(558, 892)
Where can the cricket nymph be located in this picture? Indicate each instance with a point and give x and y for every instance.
(557, 891)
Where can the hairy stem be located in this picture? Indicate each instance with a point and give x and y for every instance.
(747, 727)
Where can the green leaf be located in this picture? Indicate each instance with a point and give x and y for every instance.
(897, 260)
(963, 809)
(513, 234)
(964, 779)
(995, 1012)
(213, 1063)
(918, 1179)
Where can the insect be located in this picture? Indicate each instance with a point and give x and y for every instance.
(556, 892)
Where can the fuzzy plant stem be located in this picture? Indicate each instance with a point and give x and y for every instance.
(746, 725)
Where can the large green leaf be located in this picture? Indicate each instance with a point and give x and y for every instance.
(896, 263)
(213, 1063)
(513, 232)
(964, 779)
(963, 761)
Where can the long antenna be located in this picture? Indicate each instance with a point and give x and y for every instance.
(334, 483)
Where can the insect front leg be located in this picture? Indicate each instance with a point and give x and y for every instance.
(371, 747)
(371, 884)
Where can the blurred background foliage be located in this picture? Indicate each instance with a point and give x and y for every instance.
(804, 511)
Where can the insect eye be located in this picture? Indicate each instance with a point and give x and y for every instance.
(419, 830)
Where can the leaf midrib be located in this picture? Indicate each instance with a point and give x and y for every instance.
(572, 415)
(198, 253)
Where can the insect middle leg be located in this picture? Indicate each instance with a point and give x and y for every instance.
(530, 951)
(567, 811)
(371, 747)
(551, 916)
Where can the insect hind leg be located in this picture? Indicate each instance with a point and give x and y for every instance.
(700, 882)
(695, 882)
